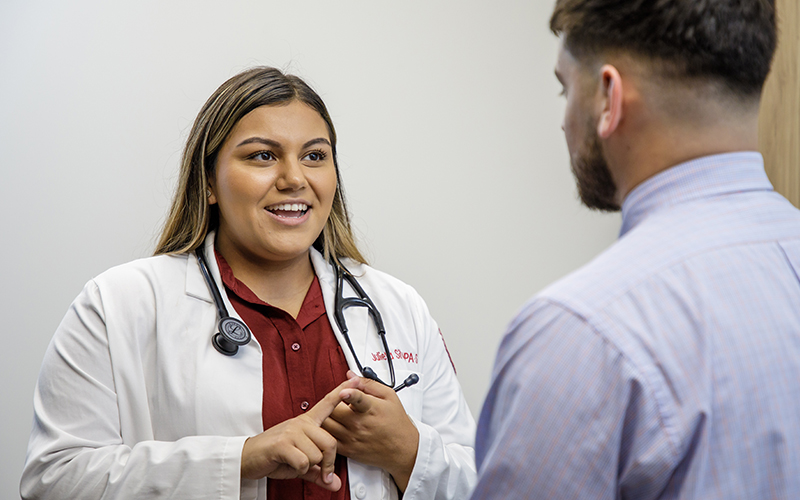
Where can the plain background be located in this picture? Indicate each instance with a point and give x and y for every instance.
(452, 156)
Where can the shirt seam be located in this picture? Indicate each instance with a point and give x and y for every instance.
(650, 385)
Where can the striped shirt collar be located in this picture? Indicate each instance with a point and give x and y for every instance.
(700, 178)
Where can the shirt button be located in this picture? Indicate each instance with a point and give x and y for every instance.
(304, 405)
(295, 346)
(361, 491)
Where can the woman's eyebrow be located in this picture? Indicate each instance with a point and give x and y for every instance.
(318, 140)
(275, 144)
(260, 140)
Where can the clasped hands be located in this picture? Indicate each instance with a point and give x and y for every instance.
(360, 419)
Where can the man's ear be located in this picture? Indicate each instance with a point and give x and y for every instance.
(611, 101)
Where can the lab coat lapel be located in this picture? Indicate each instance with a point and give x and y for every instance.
(235, 379)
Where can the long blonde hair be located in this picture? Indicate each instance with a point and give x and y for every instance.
(191, 217)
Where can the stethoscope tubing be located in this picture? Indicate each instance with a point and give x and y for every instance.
(222, 311)
(233, 333)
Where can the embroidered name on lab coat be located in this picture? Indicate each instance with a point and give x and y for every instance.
(397, 354)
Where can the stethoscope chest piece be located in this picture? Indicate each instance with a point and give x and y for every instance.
(234, 331)
(232, 334)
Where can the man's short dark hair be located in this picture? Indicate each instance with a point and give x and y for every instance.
(730, 41)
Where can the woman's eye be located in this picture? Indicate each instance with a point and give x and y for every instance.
(316, 156)
(262, 156)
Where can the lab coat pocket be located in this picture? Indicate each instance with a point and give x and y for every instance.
(337, 364)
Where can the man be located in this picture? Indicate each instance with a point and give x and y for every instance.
(669, 367)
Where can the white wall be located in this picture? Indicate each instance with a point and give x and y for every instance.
(451, 152)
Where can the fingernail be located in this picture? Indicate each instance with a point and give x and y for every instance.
(346, 396)
(329, 477)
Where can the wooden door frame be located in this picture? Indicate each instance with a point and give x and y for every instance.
(779, 119)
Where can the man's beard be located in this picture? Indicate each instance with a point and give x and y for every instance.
(596, 187)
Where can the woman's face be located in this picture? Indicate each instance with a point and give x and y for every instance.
(274, 184)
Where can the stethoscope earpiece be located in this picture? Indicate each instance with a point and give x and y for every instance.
(369, 373)
(408, 382)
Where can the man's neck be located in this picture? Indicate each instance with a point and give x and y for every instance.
(654, 147)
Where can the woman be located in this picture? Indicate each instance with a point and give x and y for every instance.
(135, 399)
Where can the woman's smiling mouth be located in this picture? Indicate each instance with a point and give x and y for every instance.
(289, 210)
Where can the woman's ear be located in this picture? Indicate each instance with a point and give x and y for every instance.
(611, 101)
(212, 199)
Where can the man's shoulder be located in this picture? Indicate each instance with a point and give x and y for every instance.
(674, 237)
(592, 286)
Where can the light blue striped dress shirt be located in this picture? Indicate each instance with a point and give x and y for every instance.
(668, 367)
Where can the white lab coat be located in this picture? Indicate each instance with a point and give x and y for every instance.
(134, 401)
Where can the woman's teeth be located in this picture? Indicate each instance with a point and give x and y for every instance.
(289, 209)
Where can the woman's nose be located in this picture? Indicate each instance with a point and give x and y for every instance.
(291, 176)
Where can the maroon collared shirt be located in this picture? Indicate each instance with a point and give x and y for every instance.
(301, 363)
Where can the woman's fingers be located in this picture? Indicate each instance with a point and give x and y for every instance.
(363, 395)
(373, 428)
(375, 388)
(317, 459)
(324, 442)
(301, 457)
(322, 410)
(357, 400)
(314, 475)
(298, 447)
(334, 426)
(325, 445)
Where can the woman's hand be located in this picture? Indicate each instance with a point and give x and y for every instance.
(373, 428)
(298, 447)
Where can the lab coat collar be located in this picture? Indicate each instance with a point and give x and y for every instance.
(196, 285)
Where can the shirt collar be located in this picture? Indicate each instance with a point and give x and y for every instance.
(313, 306)
(700, 178)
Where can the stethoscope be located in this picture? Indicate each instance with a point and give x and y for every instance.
(233, 333)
